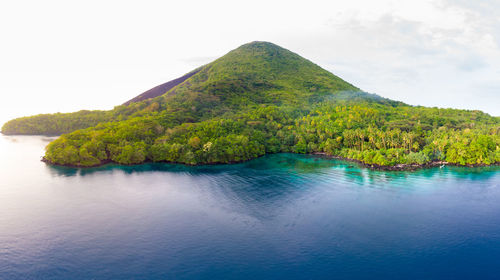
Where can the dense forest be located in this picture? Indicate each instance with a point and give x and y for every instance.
(260, 99)
(369, 132)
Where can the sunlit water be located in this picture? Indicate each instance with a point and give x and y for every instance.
(277, 217)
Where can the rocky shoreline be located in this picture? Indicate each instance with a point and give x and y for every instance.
(397, 167)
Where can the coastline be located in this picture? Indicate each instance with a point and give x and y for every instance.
(397, 167)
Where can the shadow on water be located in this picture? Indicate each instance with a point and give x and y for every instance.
(263, 187)
(284, 214)
(281, 163)
(297, 163)
(283, 167)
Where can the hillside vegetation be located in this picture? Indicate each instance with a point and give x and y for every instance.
(258, 99)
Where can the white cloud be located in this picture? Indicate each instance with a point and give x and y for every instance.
(429, 53)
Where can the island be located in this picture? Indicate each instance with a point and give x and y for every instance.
(260, 99)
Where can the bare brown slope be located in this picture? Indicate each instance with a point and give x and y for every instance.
(161, 89)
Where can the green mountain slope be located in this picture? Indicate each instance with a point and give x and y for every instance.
(255, 73)
(258, 99)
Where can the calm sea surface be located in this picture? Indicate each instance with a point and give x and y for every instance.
(277, 217)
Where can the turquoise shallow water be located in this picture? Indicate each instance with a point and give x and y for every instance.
(281, 216)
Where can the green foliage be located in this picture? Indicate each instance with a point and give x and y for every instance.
(253, 74)
(359, 131)
(417, 158)
(55, 124)
(260, 99)
(129, 153)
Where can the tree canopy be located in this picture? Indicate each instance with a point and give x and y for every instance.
(259, 99)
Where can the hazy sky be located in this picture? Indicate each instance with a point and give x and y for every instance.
(62, 56)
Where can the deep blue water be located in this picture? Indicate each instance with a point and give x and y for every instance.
(277, 217)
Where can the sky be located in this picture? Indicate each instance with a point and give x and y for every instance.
(63, 56)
